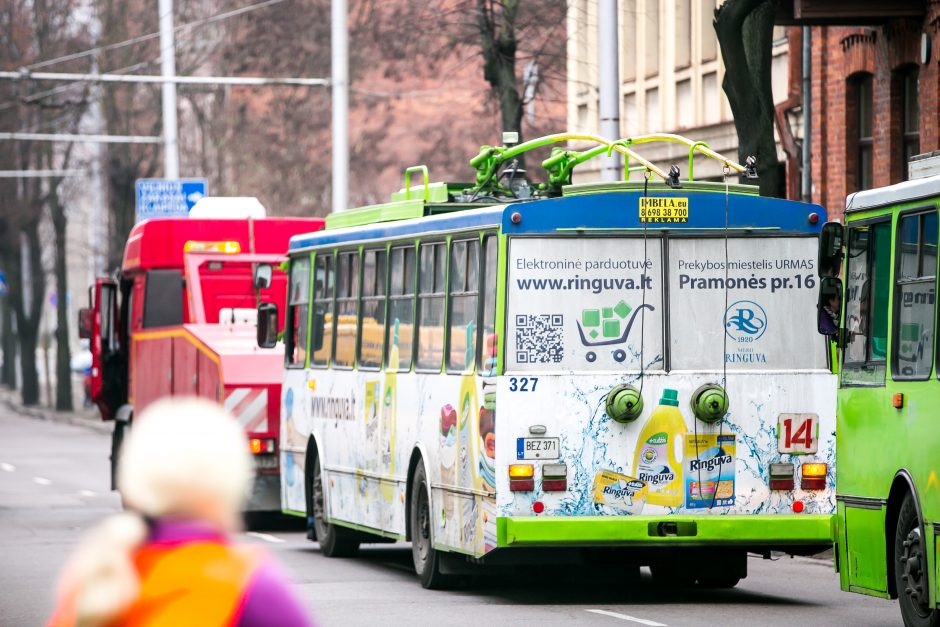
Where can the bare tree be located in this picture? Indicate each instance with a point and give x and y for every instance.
(745, 34)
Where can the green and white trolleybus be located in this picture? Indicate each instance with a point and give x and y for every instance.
(888, 436)
(500, 370)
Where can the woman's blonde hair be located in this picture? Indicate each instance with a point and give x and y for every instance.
(184, 458)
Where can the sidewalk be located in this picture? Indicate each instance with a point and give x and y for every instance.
(88, 418)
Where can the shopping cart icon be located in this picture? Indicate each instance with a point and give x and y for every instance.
(605, 327)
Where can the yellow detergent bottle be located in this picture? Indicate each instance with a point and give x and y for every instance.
(655, 460)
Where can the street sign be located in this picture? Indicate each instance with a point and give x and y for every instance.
(3, 284)
(161, 198)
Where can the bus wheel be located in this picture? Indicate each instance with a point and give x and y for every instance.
(910, 569)
(334, 541)
(426, 558)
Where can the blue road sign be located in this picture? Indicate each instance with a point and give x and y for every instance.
(3, 284)
(161, 198)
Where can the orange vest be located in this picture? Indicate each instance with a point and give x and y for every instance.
(198, 584)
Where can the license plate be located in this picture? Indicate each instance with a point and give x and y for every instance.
(537, 448)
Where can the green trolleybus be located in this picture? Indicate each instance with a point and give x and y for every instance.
(503, 372)
(888, 440)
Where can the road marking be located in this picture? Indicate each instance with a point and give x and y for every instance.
(86, 493)
(41, 481)
(265, 536)
(7, 467)
(633, 619)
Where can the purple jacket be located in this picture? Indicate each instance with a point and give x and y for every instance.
(268, 599)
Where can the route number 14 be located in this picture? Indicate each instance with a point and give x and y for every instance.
(797, 434)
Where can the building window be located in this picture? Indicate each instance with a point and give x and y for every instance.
(628, 34)
(706, 30)
(910, 117)
(683, 19)
(652, 38)
(861, 130)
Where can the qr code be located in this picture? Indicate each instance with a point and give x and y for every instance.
(540, 338)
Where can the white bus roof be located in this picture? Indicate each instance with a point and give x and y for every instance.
(893, 194)
(228, 208)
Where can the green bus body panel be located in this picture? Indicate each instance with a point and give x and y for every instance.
(877, 442)
(770, 530)
(865, 548)
(399, 210)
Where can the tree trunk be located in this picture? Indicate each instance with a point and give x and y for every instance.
(63, 371)
(745, 34)
(27, 327)
(496, 21)
(8, 341)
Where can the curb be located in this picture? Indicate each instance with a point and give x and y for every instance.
(9, 400)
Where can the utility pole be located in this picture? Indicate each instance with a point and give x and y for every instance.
(171, 155)
(608, 67)
(339, 45)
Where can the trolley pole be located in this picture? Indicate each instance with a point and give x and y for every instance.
(171, 155)
(340, 83)
(608, 67)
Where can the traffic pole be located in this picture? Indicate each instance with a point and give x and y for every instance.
(608, 67)
(171, 155)
(339, 44)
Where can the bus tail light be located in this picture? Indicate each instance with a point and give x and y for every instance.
(260, 446)
(781, 476)
(521, 477)
(814, 476)
(555, 477)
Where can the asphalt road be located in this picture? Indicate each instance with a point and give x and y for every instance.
(54, 485)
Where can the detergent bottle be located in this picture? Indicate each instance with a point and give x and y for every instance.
(655, 460)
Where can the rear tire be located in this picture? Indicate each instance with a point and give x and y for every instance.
(911, 577)
(117, 441)
(334, 541)
(427, 559)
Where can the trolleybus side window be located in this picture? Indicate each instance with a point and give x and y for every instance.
(323, 308)
(401, 308)
(431, 301)
(487, 361)
(464, 293)
(866, 304)
(347, 301)
(297, 305)
(372, 323)
(915, 290)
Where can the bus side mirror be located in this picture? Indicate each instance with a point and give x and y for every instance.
(829, 307)
(316, 331)
(262, 277)
(267, 325)
(831, 240)
(86, 318)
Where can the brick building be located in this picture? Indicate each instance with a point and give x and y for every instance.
(875, 91)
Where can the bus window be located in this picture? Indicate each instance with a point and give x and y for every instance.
(347, 301)
(912, 354)
(295, 350)
(372, 325)
(431, 297)
(401, 307)
(487, 360)
(866, 304)
(323, 305)
(464, 289)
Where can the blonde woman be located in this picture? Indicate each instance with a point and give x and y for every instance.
(184, 475)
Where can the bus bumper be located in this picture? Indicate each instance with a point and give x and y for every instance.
(759, 530)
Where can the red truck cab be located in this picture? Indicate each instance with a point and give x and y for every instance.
(178, 319)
